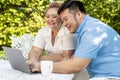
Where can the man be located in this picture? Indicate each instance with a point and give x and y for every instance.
(98, 45)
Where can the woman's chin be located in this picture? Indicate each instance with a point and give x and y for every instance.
(51, 26)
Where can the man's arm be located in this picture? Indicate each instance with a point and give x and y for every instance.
(66, 66)
(71, 65)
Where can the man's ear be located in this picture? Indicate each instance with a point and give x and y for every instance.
(79, 14)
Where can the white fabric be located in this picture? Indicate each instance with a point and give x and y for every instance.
(24, 43)
(105, 78)
(69, 41)
(43, 40)
(7, 73)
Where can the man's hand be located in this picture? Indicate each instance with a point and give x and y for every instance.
(34, 65)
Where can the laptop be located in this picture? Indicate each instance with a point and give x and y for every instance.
(16, 59)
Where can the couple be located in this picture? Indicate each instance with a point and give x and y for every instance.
(97, 47)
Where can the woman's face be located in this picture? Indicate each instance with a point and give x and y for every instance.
(52, 18)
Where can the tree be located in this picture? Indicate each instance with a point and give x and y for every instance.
(106, 10)
(20, 16)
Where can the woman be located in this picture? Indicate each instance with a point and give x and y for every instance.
(55, 39)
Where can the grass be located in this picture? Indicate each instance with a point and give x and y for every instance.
(2, 56)
(2, 53)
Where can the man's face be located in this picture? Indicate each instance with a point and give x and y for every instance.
(69, 20)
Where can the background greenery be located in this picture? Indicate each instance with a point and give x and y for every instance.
(27, 16)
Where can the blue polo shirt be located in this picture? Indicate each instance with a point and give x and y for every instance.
(101, 43)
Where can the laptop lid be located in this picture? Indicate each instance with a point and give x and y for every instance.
(16, 59)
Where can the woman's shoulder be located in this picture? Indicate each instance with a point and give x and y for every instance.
(44, 29)
(65, 29)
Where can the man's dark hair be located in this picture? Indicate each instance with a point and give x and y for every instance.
(73, 6)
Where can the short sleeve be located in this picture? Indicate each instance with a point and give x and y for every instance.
(39, 40)
(90, 44)
(69, 41)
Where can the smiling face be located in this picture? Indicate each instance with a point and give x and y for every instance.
(52, 18)
(70, 20)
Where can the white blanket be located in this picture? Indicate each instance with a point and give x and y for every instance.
(7, 73)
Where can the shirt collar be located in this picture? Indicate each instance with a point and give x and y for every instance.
(81, 26)
(61, 32)
(48, 31)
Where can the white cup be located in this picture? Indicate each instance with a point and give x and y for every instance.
(46, 67)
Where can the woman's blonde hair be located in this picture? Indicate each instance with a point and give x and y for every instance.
(53, 5)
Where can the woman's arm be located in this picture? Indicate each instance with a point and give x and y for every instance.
(66, 54)
(34, 54)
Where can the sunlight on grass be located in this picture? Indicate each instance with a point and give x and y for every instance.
(2, 56)
(2, 53)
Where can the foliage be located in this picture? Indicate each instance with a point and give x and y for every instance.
(106, 10)
(1, 53)
(19, 17)
(2, 56)
(27, 16)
